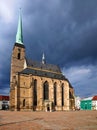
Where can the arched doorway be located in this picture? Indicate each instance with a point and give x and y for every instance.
(48, 107)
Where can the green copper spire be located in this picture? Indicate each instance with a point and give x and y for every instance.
(19, 35)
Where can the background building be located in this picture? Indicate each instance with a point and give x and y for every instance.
(77, 103)
(4, 102)
(86, 103)
(94, 102)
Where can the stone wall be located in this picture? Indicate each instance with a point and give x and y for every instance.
(17, 65)
(25, 92)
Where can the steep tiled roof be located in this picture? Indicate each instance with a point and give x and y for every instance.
(95, 98)
(43, 73)
(39, 65)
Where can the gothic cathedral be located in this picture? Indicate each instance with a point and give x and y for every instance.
(37, 86)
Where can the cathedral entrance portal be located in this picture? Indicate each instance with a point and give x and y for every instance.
(47, 106)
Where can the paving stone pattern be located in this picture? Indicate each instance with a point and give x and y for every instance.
(72, 120)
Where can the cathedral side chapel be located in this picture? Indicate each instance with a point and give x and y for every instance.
(37, 86)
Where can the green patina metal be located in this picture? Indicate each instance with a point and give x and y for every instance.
(19, 35)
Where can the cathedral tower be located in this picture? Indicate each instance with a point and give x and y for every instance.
(17, 61)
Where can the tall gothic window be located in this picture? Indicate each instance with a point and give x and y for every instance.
(62, 94)
(35, 93)
(46, 91)
(55, 94)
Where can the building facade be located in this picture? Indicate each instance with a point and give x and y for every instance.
(94, 102)
(86, 103)
(77, 103)
(37, 86)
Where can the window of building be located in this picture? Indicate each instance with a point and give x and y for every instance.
(19, 54)
(4, 102)
(35, 93)
(46, 90)
(62, 94)
(55, 94)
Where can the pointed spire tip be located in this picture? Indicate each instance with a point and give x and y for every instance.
(19, 35)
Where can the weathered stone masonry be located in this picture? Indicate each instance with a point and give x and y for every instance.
(37, 86)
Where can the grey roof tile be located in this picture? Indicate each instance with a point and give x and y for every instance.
(41, 66)
(42, 73)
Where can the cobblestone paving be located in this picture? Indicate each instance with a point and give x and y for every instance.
(72, 120)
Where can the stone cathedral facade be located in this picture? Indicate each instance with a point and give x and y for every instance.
(37, 86)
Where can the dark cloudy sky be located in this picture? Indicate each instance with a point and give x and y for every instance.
(65, 30)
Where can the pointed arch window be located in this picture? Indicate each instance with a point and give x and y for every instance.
(55, 93)
(62, 87)
(46, 91)
(35, 93)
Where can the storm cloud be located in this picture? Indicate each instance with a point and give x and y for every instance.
(65, 30)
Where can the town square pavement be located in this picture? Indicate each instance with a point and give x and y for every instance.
(68, 120)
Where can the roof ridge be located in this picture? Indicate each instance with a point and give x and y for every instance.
(41, 62)
(48, 74)
(37, 64)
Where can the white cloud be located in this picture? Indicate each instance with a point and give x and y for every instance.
(77, 74)
(83, 79)
(7, 10)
